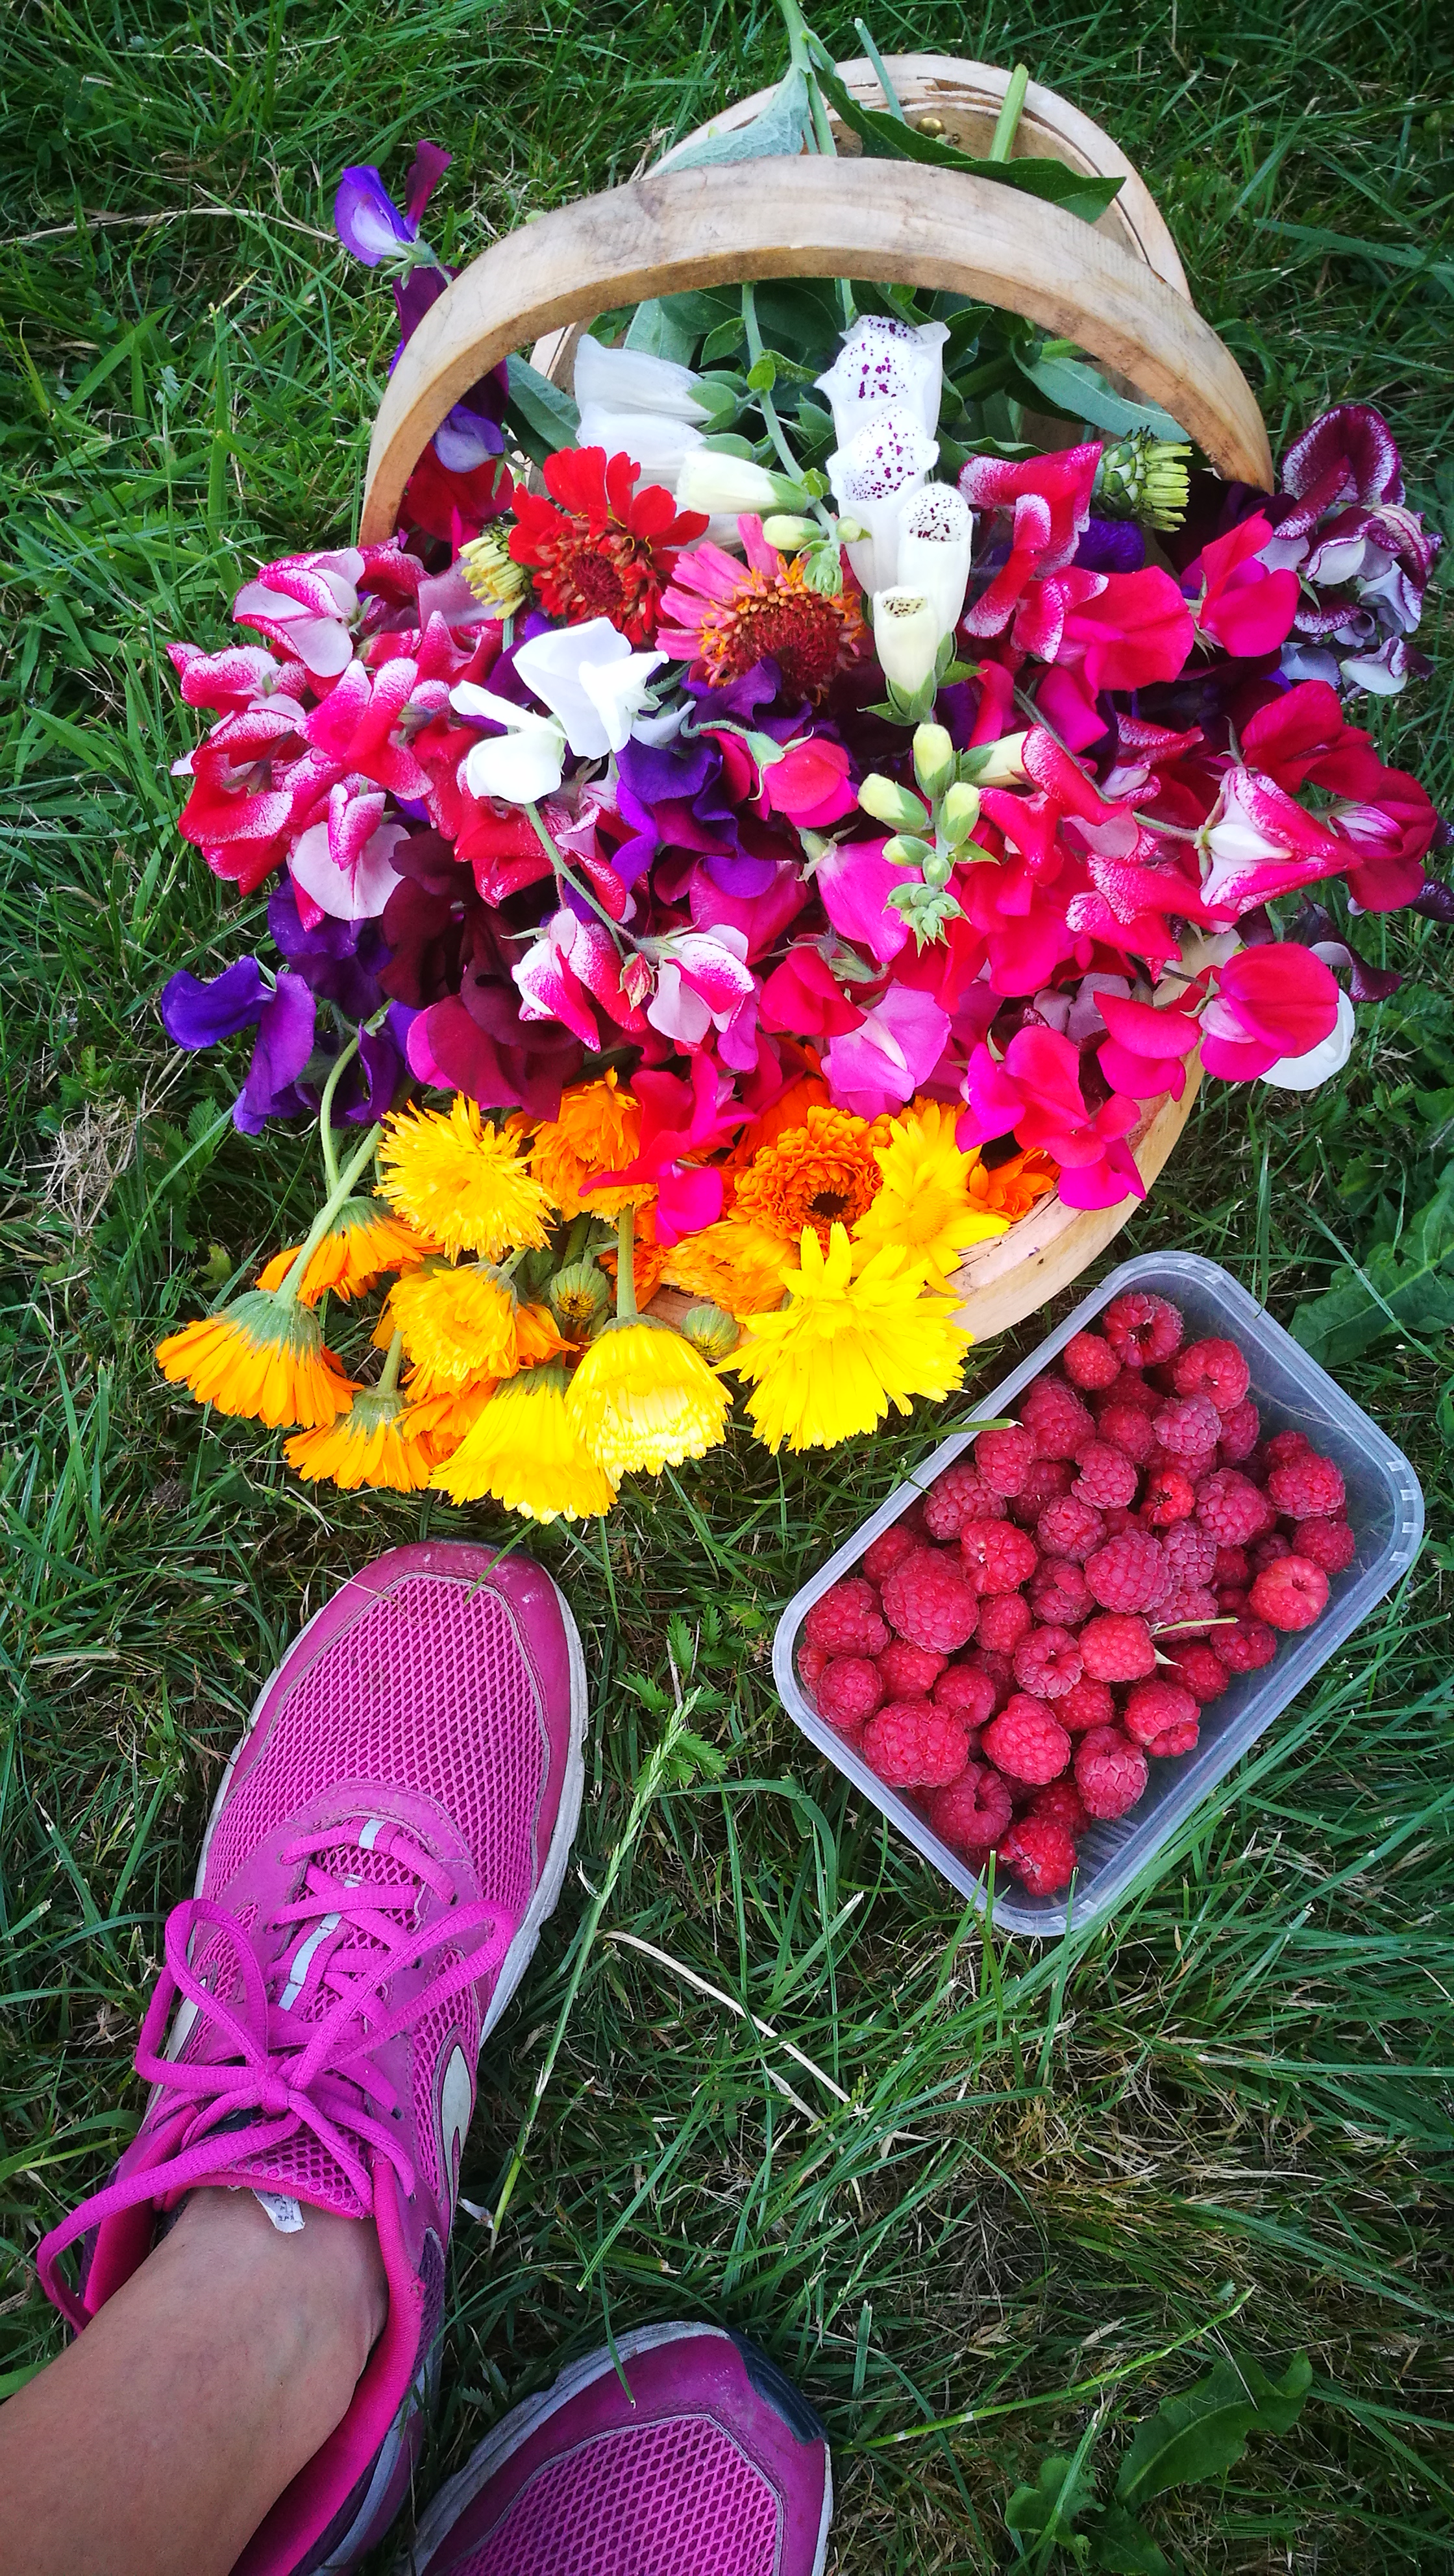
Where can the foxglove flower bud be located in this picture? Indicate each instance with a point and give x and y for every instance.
(906, 633)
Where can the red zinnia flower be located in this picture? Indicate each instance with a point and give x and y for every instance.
(607, 550)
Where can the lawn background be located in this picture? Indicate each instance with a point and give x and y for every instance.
(1053, 2164)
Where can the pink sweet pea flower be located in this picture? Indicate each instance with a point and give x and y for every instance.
(810, 784)
(572, 964)
(1388, 818)
(760, 917)
(1050, 498)
(702, 983)
(1262, 844)
(855, 881)
(1271, 1002)
(889, 1056)
(307, 605)
(1145, 1054)
(1036, 1093)
(1120, 630)
(803, 996)
(1244, 607)
(678, 1122)
(240, 676)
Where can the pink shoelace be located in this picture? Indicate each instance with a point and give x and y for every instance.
(300, 2045)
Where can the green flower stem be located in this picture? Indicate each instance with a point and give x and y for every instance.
(1007, 122)
(343, 1188)
(626, 1266)
(325, 1113)
(766, 405)
(388, 1383)
(891, 96)
(564, 876)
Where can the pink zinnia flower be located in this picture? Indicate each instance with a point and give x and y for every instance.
(726, 617)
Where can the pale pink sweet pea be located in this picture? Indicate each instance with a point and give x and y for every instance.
(1262, 844)
(307, 604)
(889, 1056)
(702, 983)
(345, 866)
(1271, 1002)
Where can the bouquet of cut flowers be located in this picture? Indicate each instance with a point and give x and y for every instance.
(761, 824)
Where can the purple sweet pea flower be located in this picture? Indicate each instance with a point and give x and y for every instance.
(284, 1045)
(341, 960)
(365, 217)
(197, 1015)
(1111, 545)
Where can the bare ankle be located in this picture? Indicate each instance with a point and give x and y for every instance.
(328, 2269)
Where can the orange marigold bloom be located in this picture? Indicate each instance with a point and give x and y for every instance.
(261, 1360)
(790, 1108)
(1012, 1188)
(379, 1441)
(821, 1174)
(734, 1265)
(598, 1130)
(365, 1241)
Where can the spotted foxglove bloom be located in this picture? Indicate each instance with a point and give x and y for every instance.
(520, 766)
(875, 474)
(906, 632)
(886, 366)
(590, 678)
(644, 406)
(935, 534)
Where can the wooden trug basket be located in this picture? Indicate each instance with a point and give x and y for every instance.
(1116, 288)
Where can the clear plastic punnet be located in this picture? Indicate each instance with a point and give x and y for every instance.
(1385, 1509)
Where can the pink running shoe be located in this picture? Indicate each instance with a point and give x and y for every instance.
(388, 1839)
(713, 2466)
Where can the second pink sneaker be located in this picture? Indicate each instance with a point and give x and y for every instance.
(388, 1840)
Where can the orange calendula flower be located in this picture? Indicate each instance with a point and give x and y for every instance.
(463, 1181)
(821, 1174)
(442, 1421)
(1012, 1188)
(261, 1360)
(789, 1110)
(456, 1324)
(598, 1130)
(378, 1441)
(363, 1244)
(734, 1265)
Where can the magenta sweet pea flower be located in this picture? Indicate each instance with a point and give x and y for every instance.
(307, 605)
(1244, 607)
(891, 1054)
(1035, 1093)
(678, 1122)
(1261, 845)
(810, 784)
(1273, 1001)
(855, 881)
(1146, 1051)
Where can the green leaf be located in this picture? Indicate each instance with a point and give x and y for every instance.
(884, 138)
(669, 326)
(541, 410)
(1205, 2432)
(1060, 2493)
(1122, 2547)
(777, 131)
(1407, 1284)
(1083, 391)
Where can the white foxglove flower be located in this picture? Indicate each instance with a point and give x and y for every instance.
(714, 481)
(632, 380)
(657, 442)
(521, 766)
(935, 532)
(590, 678)
(875, 474)
(1305, 1072)
(886, 366)
(906, 633)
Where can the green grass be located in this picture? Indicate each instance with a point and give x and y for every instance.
(1050, 2165)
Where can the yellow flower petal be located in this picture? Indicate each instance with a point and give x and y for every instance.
(378, 1442)
(844, 1348)
(924, 1206)
(258, 1359)
(524, 1451)
(461, 1181)
(642, 1397)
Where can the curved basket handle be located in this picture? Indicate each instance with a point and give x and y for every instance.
(813, 218)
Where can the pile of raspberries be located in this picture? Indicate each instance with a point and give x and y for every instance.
(1069, 1597)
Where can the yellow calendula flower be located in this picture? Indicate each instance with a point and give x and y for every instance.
(456, 1325)
(377, 1442)
(598, 1129)
(924, 1206)
(261, 1359)
(363, 1244)
(845, 1348)
(462, 1181)
(642, 1397)
(525, 1452)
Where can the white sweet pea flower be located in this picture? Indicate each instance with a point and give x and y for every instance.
(935, 533)
(528, 763)
(906, 633)
(875, 474)
(637, 405)
(886, 366)
(1305, 1072)
(590, 678)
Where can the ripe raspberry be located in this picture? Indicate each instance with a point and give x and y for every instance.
(846, 1620)
(1200, 1669)
(1330, 1544)
(850, 1690)
(1291, 1594)
(1106, 1476)
(1232, 1599)
(1005, 1458)
(1088, 1361)
(1285, 1445)
(912, 1745)
(1191, 1552)
(1117, 1648)
(1110, 1772)
(1230, 1506)
(1246, 1647)
(1054, 1413)
(1187, 1606)
(1060, 1594)
(1142, 1330)
(1025, 1742)
(1048, 1663)
(1184, 1737)
(1214, 1369)
(997, 1557)
(1060, 1803)
(1266, 1551)
(812, 1664)
(1154, 1706)
(1307, 1488)
(1040, 1854)
(1169, 1497)
(1241, 1429)
(1130, 1572)
(1048, 1479)
(1131, 1390)
(1004, 1619)
(996, 1669)
(973, 1812)
(1070, 1528)
(1119, 1517)
(958, 1497)
(968, 1694)
(909, 1672)
(1231, 1565)
(1089, 1703)
(1128, 1427)
(889, 1549)
(1188, 1427)
(927, 1600)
